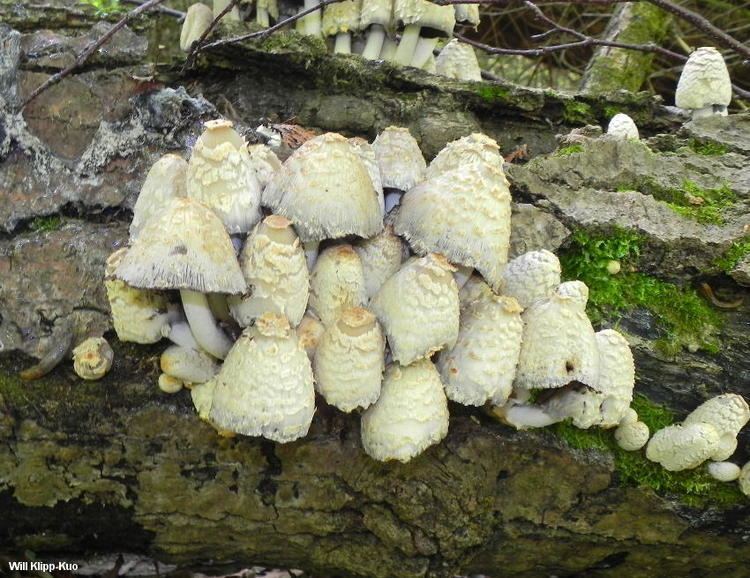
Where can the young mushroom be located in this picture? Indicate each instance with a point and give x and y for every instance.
(197, 20)
(166, 179)
(474, 148)
(340, 20)
(400, 161)
(530, 277)
(683, 447)
(265, 163)
(92, 359)
(375, 18)
(632, 436)
(381, 256)
(704, 87)
(188, 365)
(169, 384)
(420, 19)
(309, 332)
(337, 282)
(728, 413)
(724, 471)
(458, 60)
(366, 153)
(744, 479)
(622, 127)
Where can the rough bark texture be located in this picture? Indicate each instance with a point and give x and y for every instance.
(118, 466)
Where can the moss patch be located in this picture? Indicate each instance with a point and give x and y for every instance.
(569, 150)
(46, 224)
(576, 112)
(683, 317)
(734, 254)
(707, 148)
(692, 487)
(493, 93)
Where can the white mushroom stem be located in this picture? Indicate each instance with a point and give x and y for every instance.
(311, 252)
(375, 38)
(203, 324)
(312, 20)
(261, 16)
(179, 333)
(715, 109)
(528, 416)
(219, 308)
(407, 45)
(423, 51)
(388, 51)
(343, 44)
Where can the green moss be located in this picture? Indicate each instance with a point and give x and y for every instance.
(569, 150)
(683, 317)
(692, 487)
(46, 224)
(105, 7)
(610, 111)
(708, 148)
(493, 93)
(734, 254)
(576, 112)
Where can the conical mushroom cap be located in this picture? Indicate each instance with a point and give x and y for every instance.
(381, 257)
(463, 214)
(265, 386)
(186, 247)
(682, 447)
(265, 163)
(474, 288)
(532, 276)
(348, 365)
(616, 376)
(337, 282)
(341, 17)
(167, 179)
(221, 176)
(559, 345)
(197, 20)
(410, 415)
(621, 126)
(418, 308)
(482, 364)
(401, 163)
(310, 331)
(704, 80)
(325, 190)
(438, 19)
(366, 154)
(476, 147)
(458, 60)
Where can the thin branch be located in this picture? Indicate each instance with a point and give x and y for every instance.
(166, 10)
(89, 50)
(198, 44)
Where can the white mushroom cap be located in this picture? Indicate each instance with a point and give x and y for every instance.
(728, 413)
(401, 163)
(463, 214)
(704, 81)
(186, 247)
(410, 415)
(166, 180)
(337, 282)
(621, 126)
(169, 384)
(559, 344)
(188, 365)
(92, 359)
(616, 376)
(439, 19)
(458, 60)
(310, 331)
(630, 416)
(348, 364)
(576, 290)
(376, 12)
(682, 447)
(418, 308)
(476, 147)
(467, 14)
(724, 471)
(219, 5)
(221, 175)
(381, 257)
(197, 20)
(582, 407)
(265, 387)
(744, 479)
(532, 276)
(138, 315)
(632, 436)
(482, 364)
(474, 288)
(366, 153)
(325, 190)
(202, 395)
(265, 163)
(274, 265)
(341, 17)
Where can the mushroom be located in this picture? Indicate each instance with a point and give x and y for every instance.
(187, 248)
(375, 17)
(475, 148)
(197, 20)
(704, 87)
(381, 257)
(724, 471)
(337, 282)
(410, 415)
(169, 384)
(188, 365)
(265, 386)
(744, 479)
(92, 359)
(467, 14)
(167, 179)
(220, 174)
(220, 5)
(482, 364)
(474, 288)
(632, 436)
(728, 413)
(265, 10)
(273, 263)
(265, 163)
(366, 153)
(340, 20)
(418, 308)
(531, 277)
(348, 365)
(458, 60)
(311, 23)
(420, 18)
(310, 331)
(138, 315)
(401, 163)
(202, 395)
(622, 127)
(683, 447)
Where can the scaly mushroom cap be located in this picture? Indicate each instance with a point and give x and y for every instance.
(744, 479)
(418, 308)
(265, 163)
(438, 19)
(93, 358)
(381, 257)
(348, 364)
(482, 364)
(275, 268)
(475, 148)
(458, 60)
(167, 179)
(265, 387)
(401, 163)
(724, 471)
(337, 282)
(474, 288)
(704, 81)
(621, 126)
(366, 153)
(530, 277)
(463, 214)
(728, 413)
(376, 12)
(310, 331)
(197, 20)
(410, 415)
(467, 14)
(632, 436)
(188, 365)
(220, 175)
(616, 376)
(325, 190)
(138, 315)
(559, 345)
(341, 17)
(682, 447)
(186, 247)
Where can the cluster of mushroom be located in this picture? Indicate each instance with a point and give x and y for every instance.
(367, 27)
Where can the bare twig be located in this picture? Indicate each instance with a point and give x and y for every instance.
(198, 44)
(166, 10)
(89, 50)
